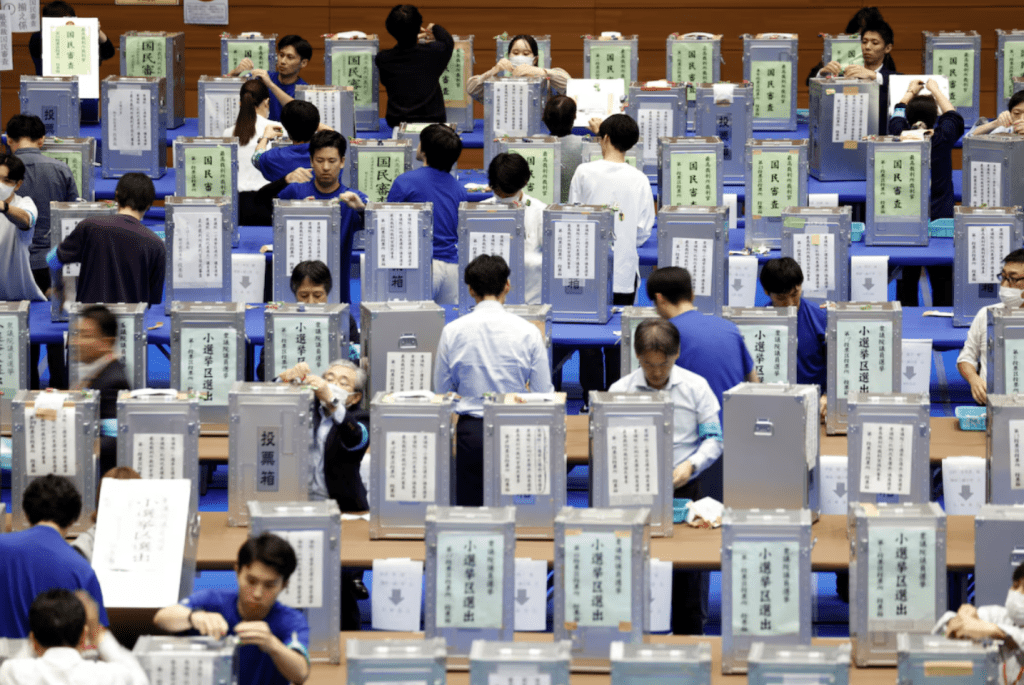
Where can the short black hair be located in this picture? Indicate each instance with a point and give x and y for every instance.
(780, 276)
(863, 17)
(922, 109)
(559, 115)
(881, 27)
(57, 619)
(1015, 99)
(404, 23)
(487, 274)
(15, 167)
(300, 119)
(58, 8)
(315, 270)
(300, 44)
(673, 282)
(53, 499)
(270, 550)
(322, 139)
(530, 40)
(135, 191)
(621, 130)
(25, 126)
(103, 318)
(509, 172)
(656, 335)
(441, 145)
(1015, 257)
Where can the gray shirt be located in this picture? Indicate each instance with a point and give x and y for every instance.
(46, 180)
(572, 157)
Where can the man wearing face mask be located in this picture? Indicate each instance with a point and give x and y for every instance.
(17, 219)
(972, 362)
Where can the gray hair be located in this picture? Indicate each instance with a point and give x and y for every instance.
(656, 335)
(360, 373)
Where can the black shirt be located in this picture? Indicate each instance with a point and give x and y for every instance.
(411, 76)
(948, 129)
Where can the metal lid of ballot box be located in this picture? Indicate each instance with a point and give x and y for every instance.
(208, 167)
(55, 100)
(631, 318)
(1005, 338)
(376, 163)
(161, 656)
(380, 661)
(764, 330)
(878, 535)
(608, 57)
(218, 102)
(399, 243)
(660, 111)
(64, 218)
(78, 420)
(982, 236)
(998, 550)
(79, 154)
(769, 663)
(351, 62)
(400, 339)
(306, 229)
(336, 104)
(579, 291)
(498, 227)
(493, 654)
(142, 61)
(842, 111)
(260, 48)
(730, 119)
(957, 56)
(1006, 62)
(763, 215)
(512, 107)
(887, 223)
(697, 239)
(544, 155)
(689, 171)
(993, 170)
(543, 49)
(770, 64)
(590, 151)
(134, 130)
(640, 664)
(841, 48)
(693, 58)
(827, 260)
(458, 104)
(14, 362)
(313, 333)
(130, 343)
(1003, 444)
(944, 661)
(199, 232)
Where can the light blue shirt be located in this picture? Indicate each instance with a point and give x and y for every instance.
(490, 350)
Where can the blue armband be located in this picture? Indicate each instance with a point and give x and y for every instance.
(108, 428)
(710, 430)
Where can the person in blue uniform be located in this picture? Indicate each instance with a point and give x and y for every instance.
(300, 120)
(293, 54)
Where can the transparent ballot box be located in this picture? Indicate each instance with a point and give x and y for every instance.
(497, 229)
(130, 344)
(818, 238)
(336, 104)
(770, 334)
(957, 56)
(937, 660)
(1005, 343)
(578, 273)
(79, 154)
(659, 108)
(218, 103)
(888, 441)
(726, 111)
(693, 58)
(998, 551)
(631, 318)
(376, 163)
(842, 112)
(313, 333)
(14, 358)
(400, 339)
(399, 249)
(516, 662)
(260, 49)
(64, 218)
(306, 230)
(512, 107)
(899, 178)
(393, 662)
(54, 99)
(770, 664)
(350, 62)
(208, 167)
(697, 239)
(458, 105)
(134, 126)
(650, 664)
(158, 54)
(775, 182)
(544, 156)
(982, 237)
(770, 65)
(689, 171)
(197, 660)
(199, 233)
(1004, 432)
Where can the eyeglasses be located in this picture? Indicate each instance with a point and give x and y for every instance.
(1015, 281)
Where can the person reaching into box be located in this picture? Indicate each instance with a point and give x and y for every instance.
(293, 54)
(1010, 121)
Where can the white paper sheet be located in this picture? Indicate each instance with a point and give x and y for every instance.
(306, 586)
(511, 108)
(1016, 438)
(850, 117)
(595, 98)
(869, 279)
(833, 488)
(902, 574)
(490, 243)
(885, 458)
(50, 446)
(159, 455)
(986, 184)
(129, 123)
(917, 366)
(816, 254)
(248, 277)
(964, 484)
(525, 460)
(197, 250)
(696, 255)
(574, 250)
(986, 247)
(632, 461)
(742, 286)
(765, 574)
(530, 597)
(398, 239)
(87, 54)
(305, 239)
(661, 596)
(470, 578)
(410, 463)
(397, 594)
(408, 371)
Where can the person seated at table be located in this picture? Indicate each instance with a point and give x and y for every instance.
(301, 120)
(863, 17)
(521, 61)
(1010, 121)
(274, 638)
(121, 259)
(559, 115)
(17, 223)
(293, 54)
(876, 42)
(254, 209)
(411, 71)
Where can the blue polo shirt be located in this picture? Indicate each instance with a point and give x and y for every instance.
(277, 162)
(275, 106)
(712, 348)
(811, 352)
(427, 184)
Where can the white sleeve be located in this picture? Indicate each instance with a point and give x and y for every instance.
(26, 203)
(576, 188)
(645, 219)
(971, 353)
(112, 652)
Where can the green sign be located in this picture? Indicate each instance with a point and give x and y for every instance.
(1013, 65)
(958, 67)
(542, 172)
(145, 56)
(10, 357)
(69, 50)
(378, 169)
(453, 86)
(74, 162)
(604, 555)
(897, 183)
(208, 172)
(354, 68)
(694, 177)
(612, 60)
(693, 62)
(772, 84)
(847, 51)
(775, 183)
(257, 51)
(766, 588)
(864, 357)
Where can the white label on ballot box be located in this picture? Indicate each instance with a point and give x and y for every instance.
(765, 588)
(987, 185)
(306, 240)
(410, 464)
(768, 347)
(197, 250)
(1014, 364)
(531, 594)
(328, 103)
(901, 579)
(208, 363)
(158, 455)
(885, 453)
(490, 243)
(695, 255)
(128, 120)
(742, 280)
(816, 254)
(10, 356)
(125, 343)
(525, 460)
(865, 356)
(397, 594)
(849, 117)
(408, 371)
(654, 123)
(632, 460)
(574, 249)
(470, 578)
(178, 669)
(66, 227)
(511, 108)
(661, 596)
(398, 239)
(305, 589)
(869, 278)
(986, 247)
(302, 339)
(516, 676)
(599, 579)
(1016, 429)
(50, 445)
(221, 112)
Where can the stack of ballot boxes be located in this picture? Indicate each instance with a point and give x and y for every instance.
(766, 581)
(1005, 350)
(1003, 440)
(602, 586)
(982, 237)
(313, 529)
(769, 663)
(776, 180)
(195, 659)
(938, 660)
(818, 238)
(382, 661)
(208, 167)
(307, 230)
(501, 46)
(844, 49)
(64, 218)
(631, 318)
(494, 229)
(512, 107)
(399, 248)
(55, 433)
(517, 662)
(218, 103)
(650, 664)
(400, 339)
(134, 126)
(899, 177)
(412, 437)
(998, 550)
(726, 111)
(159, 54)
(79, 154)
(865, 346)
(199, 233)
(411, 132)
(897, 576)
(993, 167)
(770, 65)
(578, 266)
(376, 163)
(631, 457)
(769, 418)
(458, 105)
(470, 576)
(350, 62)
(611, 57)
(336, 104)
(260, 49)
(544, 155)
(524, 459)
(957, 56)
(697, 239)
(130, 344)
(770, 334)
(693, 58)
(54, 99)
(14, 360)
(590, 151)
(1008, 61)
(659, 108)
(316, 334)
(842, 112)
(690, 171)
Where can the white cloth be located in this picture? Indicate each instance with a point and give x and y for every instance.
(533, 244)
(1013, 659)
(249, 177)
(445, 282)
(619, 184)
(975, 350)
(16, 281)
(65, 666)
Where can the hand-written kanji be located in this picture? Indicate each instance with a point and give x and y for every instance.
(159, 455)
(958, 67)
(772, 84)
(986, 184)
(490, 243)
(470, 580)
(146, 56)
(305, 239)
(398, 239)
(542, 171)
(511, 108)
(886, 454)
(378, 169)
(208, 362)
(129, 120)
(816, 254)
(696, 255)
(769, 348)
(766, 592)
(692, 62)
(897, 179)
(654, 123)
(305, 589)
(1016, 441)
(850, 116)
(694, 179)
(10, 357)
(632, 453)
(301, 339)
(410, 460)
(198, 250)
(50, 446)
(525, 460)
(612, 60)
(574, 250)
(901, 581)
(208, 171)
(268, 458)
(453, 85)
(986, 247)
(599, 579)
(256, 50)
(864, 356)
(354, 68)
(408, 371)
(1013, 64)
(775, 183)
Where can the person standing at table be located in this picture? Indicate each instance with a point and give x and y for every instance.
(411, 71)
(559, 116)
(293, 54)
(300, 119)
(249, 127)
(521, 61)
(876, 43)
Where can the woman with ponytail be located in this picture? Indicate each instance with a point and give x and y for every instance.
(248, 128)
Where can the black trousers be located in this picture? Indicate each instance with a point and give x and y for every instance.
(939, 275)
(468, 464)
(688, 587)
(598, 374)
(54, 351)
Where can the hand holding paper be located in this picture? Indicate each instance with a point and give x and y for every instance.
(209, 623)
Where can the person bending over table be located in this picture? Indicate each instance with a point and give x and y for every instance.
(293, 54)
(300, 119)
(522, 61)
(1010, 121)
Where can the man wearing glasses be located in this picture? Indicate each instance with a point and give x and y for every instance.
(972, 361)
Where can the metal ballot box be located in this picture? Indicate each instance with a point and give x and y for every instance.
(775, 419)
(897, 576)
(497, 229)
(631, 318)
(1009, 62)
(411, 132)
(982, 236)
(690, 171)
(54, 99)
(693, 58)
(853, 328)
(726, 111)
(79, 154)
(609, 543)
(697, 239)
(1005, 345)
(766, 581)
(818, 238)
(399, 249)
(470, 576)
(208, 167)
(543, 49)
(376, 163)
(159, 54)
(899, 179)
(770, 64)
(313, 529)
(937, 660)
(350, 62)
(14, 358)
(270, 439)
(512, 107)
(458, 105)
(199, 234)
(768, 664)
(631, 457)
(770, 334)
(537, 314)
(400, 339)
(336, 104)
(841, 48)
(611, 57)
(775, 182)
(660, 111)
(208, 355)
(579, 270)
(993, 167)
(130, 344)
(998, 550)
(55, 432)
(1003, 434)
(842, 112)
(650, 664)
(260, 49)
(590, 151)
(412, 433)
(166, 658)
(64, 218)
(544, 155)
(888, 443)
(219, 98)
(957, 56)
(134, 126)
(395, 661)
(524, 459)
(313, 333)
(514, 662)
(305, 230)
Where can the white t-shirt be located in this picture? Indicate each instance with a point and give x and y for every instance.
(975, 350)
(16, 281)
(249, 177)
(533, 245)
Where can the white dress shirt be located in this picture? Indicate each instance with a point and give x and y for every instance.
(975, 350)
(65, 666)
(533, 243)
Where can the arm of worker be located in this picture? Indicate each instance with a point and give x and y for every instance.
(20, 211)
(443, 380)
(291, 660)
(709, 432)
(967, 360)
(645, 222)
(940, 98)
(179, 618)
(540, 366)
(1004, 120)
(275, 90)
(269, 133)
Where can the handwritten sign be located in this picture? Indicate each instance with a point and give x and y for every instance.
(847, 52)
(901, 583)
(50, 445)
(408, 371)
(158, 455)
(612, 61)
(453, 84)
(769, 348)
(574, 249)
(10, 357)
(542, 172)
(776, 182)
(1016, 430)
(470, 573)
(850, 117)
(511, 108)
(198, 250)
(305, 589)
(885, 458)
(258, 51)
(302, 339)
(816, 254)
(220, 110)
(398, 239)
(1014, 365)
(897, 183)
(696, 255)
(865, 357)
(986, 183)
(986, 247)
(655, 123)
(378, 170)
(410, 463)
(692, 63)
(490, 243)
(694, 179)
(145, 56)
(208, 362)
(958, 67)
(305, 240)
(208, 171)
(632, 461)
(129, 120)
(1013, 64)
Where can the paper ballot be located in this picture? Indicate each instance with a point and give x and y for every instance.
(661, 596)
(832, 484)
(963, 484)
(742, 285)
(898, 86)
(397, 594)
(531, 594)
(869, 279)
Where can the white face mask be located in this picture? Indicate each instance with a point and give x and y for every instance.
(5, 191)
(340, 393)
(521, 60)
(1015, 606)
(1012, 297)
